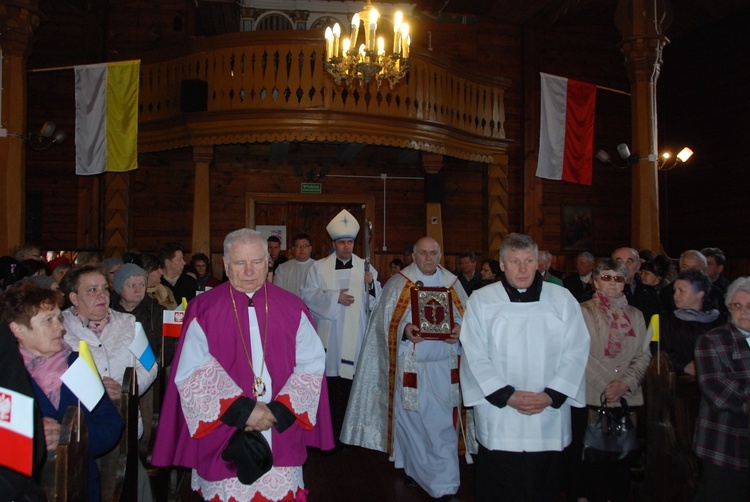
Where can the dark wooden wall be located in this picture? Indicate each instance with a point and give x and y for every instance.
(702, 203)
(162, 196)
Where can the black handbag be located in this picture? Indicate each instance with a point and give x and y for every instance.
(612, 436)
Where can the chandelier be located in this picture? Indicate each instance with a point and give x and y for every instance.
(352, 65)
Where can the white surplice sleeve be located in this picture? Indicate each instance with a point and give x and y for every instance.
(301, 392)
(206, 389)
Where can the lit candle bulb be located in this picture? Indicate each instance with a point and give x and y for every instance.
(405, 40)
(346, 44)
(329, 43)
(355, 29)
(374, 15)
(381, 46)
(336, 37)
(397, 20)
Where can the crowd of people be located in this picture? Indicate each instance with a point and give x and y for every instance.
(320, 354)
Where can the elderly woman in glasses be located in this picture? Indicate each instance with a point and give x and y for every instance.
(33, 315)
(722, 362)
(616, 368)
(694, 315)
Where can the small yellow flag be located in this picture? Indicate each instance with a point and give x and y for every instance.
(85, 354)
(184, 304)
(653, 328)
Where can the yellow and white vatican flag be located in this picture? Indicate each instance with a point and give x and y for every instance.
(107, 117)
(82, 378)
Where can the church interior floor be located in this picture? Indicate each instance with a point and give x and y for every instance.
(354, 474)
(362, 475)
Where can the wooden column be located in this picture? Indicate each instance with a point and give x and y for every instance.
(432, 164)
(90, 206)
(116, 214)
(203, 156)
(642, 43)
(497, 192)
(18, 20)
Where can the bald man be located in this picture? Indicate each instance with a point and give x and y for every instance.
(422, 438)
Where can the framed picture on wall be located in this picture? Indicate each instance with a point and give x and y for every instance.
(577, 228)
(278, 230)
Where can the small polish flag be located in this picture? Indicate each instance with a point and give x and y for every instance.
(172, 323)
(16, 431)
(566, 130)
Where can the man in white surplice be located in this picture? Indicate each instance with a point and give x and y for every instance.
(525, 347)
(340, 293)
(291, 274)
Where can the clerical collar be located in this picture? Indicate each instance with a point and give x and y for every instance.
(531, 294)
(340, 265)
(250, 299)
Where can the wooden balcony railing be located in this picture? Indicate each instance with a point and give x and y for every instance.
(276, 81)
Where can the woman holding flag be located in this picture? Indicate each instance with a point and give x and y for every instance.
(116, 340)
(33, 315)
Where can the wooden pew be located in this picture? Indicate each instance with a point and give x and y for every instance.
(151, 401)
(119, 468)
(672, 470)
(65, 474)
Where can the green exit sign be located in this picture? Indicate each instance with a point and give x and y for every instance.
(311, 188)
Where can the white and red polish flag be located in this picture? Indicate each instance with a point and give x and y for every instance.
(16, 431)
(566, 135)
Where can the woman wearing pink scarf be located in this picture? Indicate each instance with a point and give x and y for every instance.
(618, 358)
(33, 315)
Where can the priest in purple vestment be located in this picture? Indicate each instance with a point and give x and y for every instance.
(249, 359)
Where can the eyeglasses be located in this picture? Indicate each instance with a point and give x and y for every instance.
(616, 278)
(302, 246)
(738, 307)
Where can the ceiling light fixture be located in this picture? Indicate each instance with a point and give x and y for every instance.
(351, 64)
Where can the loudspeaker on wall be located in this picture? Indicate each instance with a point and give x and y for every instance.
(193, 95)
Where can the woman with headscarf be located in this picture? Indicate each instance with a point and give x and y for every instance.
(33, 315)
(693, 316)
(616, 368)
(130, 297)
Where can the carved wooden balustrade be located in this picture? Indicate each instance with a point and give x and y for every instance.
(271, 86)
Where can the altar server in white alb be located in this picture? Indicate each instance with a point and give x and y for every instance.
(340, 294)
(525, 347)
(291, 274)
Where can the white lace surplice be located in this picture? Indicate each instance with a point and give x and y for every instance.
(206, 389)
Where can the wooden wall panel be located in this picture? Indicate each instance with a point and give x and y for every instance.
(233, 176)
